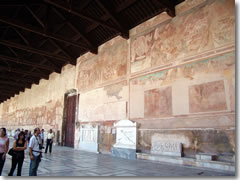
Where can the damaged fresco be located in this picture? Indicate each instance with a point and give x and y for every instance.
(189, 34)
(205, 81)
(109, 65)
(49, 116)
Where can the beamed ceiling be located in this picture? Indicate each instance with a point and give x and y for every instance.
(38, 37)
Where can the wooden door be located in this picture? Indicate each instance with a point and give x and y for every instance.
(70, 121)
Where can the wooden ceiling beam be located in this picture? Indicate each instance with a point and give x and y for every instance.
(167, 6)
(29, 28)
(84, 4)
(11, 90)
(7, 93)
(21, 36)
(37, 51)
(13, 77)
(28, 63)
(59, 46)
(114, 17)
(20, 3)
(82, 34)
(74, 11)
(125, 5)
(35, 16)
(13, 83)
(41, 75)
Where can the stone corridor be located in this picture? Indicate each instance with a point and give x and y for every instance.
(65, 161)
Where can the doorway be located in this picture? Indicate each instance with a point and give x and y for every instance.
(70, 117)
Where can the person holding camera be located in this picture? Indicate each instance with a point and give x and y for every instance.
(50, 138)
(19, 146)
(35, 151)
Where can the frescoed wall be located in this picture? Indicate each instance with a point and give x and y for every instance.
(175, 77)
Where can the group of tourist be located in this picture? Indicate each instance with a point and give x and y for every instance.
(22, 140)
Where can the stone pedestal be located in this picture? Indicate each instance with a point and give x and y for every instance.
(89, 138)
(126, 138)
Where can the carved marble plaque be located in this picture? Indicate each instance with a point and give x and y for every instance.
(126, 136)
(167, 148)
(89, 138)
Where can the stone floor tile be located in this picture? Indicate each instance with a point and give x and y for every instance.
(65, 161)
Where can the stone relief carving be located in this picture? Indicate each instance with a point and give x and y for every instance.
(89, 138)
(88, 133)
(167, 148)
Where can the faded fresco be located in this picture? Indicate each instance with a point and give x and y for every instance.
(108, 65)
(204, 80)
(158, 103)
(111, 103)
(89, 73)
(206, 28)
(207, 97)
(116, 91)
(47, 115)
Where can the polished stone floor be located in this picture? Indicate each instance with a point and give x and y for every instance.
(65, 161)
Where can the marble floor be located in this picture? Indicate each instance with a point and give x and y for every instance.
(65, 161)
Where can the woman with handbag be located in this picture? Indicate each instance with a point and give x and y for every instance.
(4, 143)
(19, 146)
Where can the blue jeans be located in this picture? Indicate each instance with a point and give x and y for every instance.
(34, 165)
(1, 163)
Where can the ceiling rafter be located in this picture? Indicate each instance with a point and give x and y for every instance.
(82, 34)
(41, 75)
(25, 62)
(20, 3)
(117, 21)
(37, 51)
(29, 80)
(6, 93)
(13, 83)
(21, 36)
(34, 15)
(61, 48)
(125, 5)
(79, 14)
(40, 32)
(167, 6)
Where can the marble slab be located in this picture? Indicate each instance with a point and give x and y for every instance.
(126, 134)
(89, 138)
(167, 148)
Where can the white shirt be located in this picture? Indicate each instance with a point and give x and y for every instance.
(42, 135)
(50, 136)
(34, 144)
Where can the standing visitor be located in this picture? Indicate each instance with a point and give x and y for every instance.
(35, 151)
(4, 144)
(16, 133)
(50, 138)
(19, 146)
(26, 135)
(42, 136)
(29, 135)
